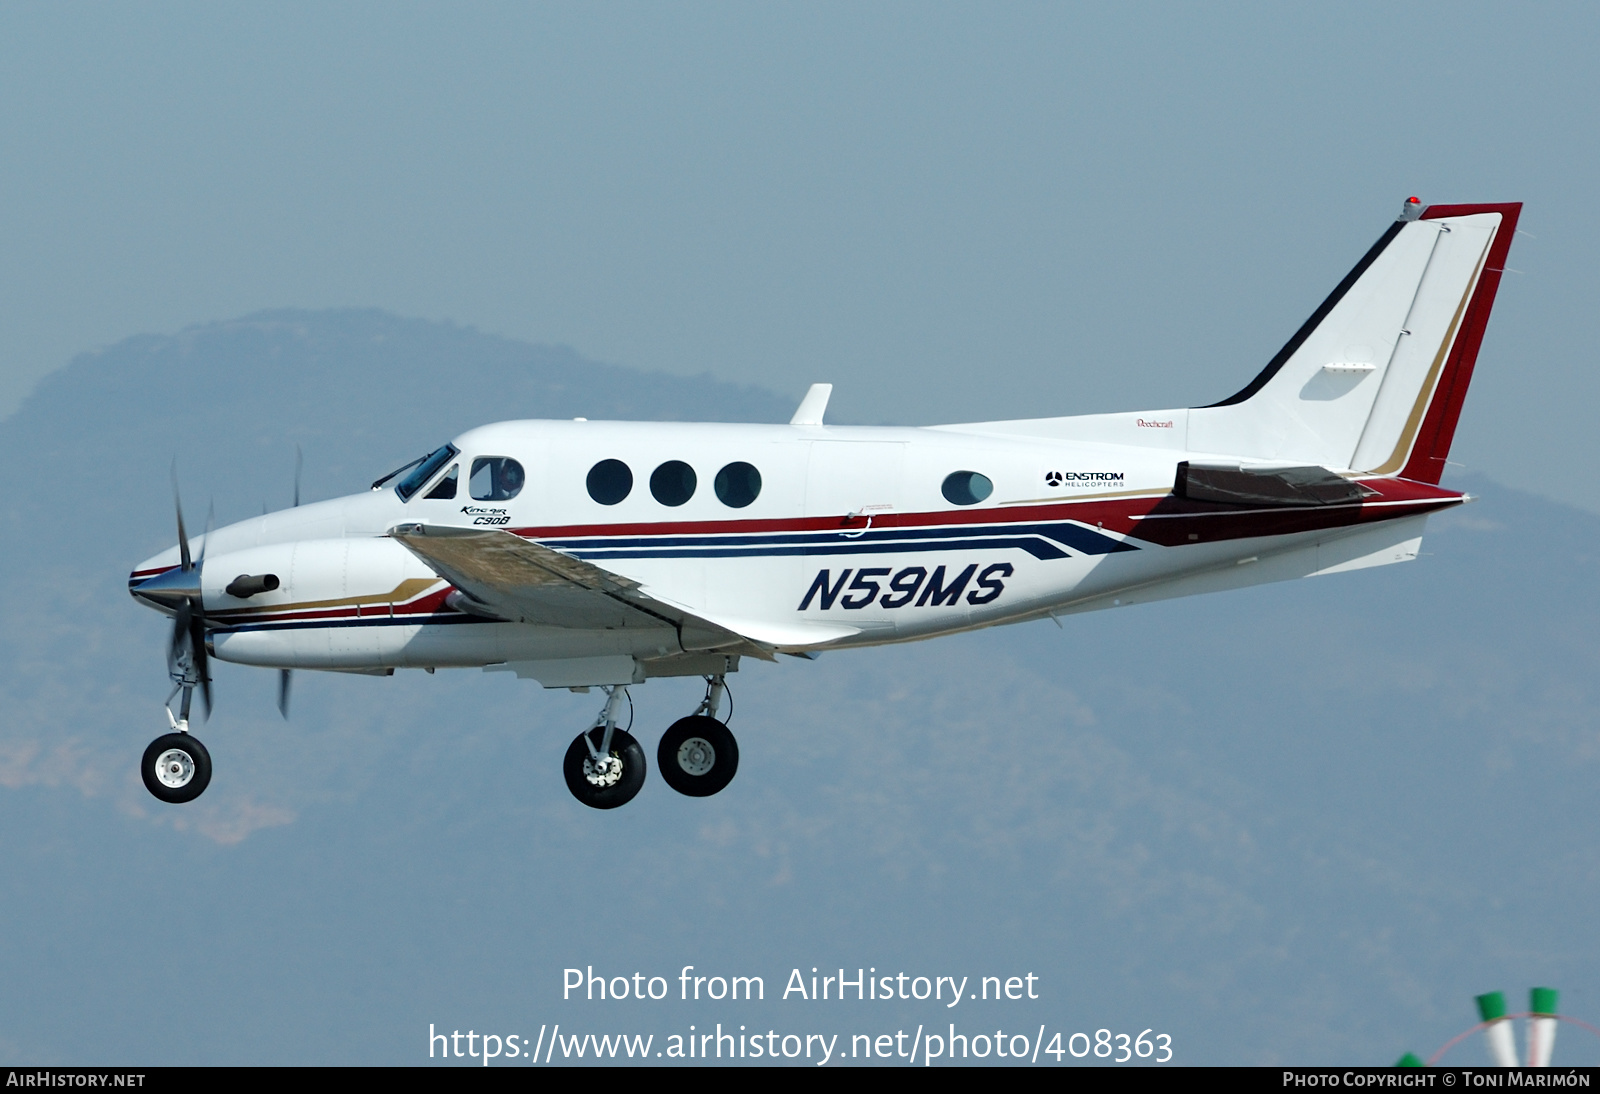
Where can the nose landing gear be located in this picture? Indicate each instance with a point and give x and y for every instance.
(176, 767)
(697, 755)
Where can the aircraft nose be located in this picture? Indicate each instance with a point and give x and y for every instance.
(147, 571)
(173, 586)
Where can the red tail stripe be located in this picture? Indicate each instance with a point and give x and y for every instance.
(1427, 460)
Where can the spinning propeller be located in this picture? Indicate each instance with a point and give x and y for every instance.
(180, 589)
(286, 676)
(186, 655)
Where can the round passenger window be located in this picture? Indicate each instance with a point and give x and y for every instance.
(673, 482)
(610, 481)
(496, 478)
(737, 485)
(966, 488)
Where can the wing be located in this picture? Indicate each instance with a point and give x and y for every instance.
(526, 582)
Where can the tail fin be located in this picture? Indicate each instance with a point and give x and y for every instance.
(1375, 379)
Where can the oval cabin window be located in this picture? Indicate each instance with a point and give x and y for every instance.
(738, 485)
(610, 481)
(966, 488)
(673, 483)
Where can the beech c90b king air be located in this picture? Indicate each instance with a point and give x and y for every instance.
(600, 554)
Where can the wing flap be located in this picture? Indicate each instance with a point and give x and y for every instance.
(531, 583)
(502, 560)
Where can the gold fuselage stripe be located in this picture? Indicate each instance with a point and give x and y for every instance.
(407, 589)
(1149, 491)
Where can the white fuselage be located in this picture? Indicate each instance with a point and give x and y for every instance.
(850, 541)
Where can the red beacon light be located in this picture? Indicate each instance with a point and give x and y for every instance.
(1413, 201)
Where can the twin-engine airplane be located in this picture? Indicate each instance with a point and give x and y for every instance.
(601, 554)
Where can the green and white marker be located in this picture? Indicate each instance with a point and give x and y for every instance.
(1542, 1025)
(1502, 1042)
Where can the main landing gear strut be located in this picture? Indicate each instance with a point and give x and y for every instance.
(697, 754)
(605, 767)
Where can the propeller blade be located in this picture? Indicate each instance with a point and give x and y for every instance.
(183, 536)
(297, 462)
(202, 668)
(211, 514)
(285, 677)
(180, 624)
(180, 635)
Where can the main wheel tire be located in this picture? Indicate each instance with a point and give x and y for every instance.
(176, 768)
(611, 783)
(697, 756)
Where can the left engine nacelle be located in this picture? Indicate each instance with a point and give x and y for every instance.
(330, 603)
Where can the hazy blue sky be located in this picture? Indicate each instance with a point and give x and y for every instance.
(951, 211)
(1304, 822)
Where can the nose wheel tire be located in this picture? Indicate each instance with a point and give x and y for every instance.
(607, 781)
(176, 768)
(697, 756)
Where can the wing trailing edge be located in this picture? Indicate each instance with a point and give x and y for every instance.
(524, 581)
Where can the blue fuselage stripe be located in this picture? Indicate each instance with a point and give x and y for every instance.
(1038, 540)
(1034, 545)
(1042, 541)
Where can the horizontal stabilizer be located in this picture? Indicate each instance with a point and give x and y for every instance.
(1339, 551)
(1275, 486)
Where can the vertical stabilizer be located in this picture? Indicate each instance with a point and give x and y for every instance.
(1374, 380)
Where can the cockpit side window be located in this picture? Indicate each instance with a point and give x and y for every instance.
(447, 486)
(496, 478)
(424, 471)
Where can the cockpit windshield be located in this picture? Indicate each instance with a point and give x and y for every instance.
(377, 484)
(424, 471)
